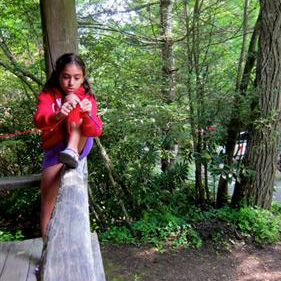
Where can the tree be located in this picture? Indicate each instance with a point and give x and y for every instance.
(58, 38)
(168, 87)
(256, 187)
(235, 124)
(168, 69)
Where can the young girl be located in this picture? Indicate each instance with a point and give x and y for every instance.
(66, 114)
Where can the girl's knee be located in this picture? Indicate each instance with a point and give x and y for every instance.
(50, 176)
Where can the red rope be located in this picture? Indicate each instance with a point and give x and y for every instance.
(33, 131)
(9, 136)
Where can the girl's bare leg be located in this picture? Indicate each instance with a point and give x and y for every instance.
(82, 143)
(76, 140)
(49, 190)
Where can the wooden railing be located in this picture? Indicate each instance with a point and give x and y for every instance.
(70, 252)
(9, 183)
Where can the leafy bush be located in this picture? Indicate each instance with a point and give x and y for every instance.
(8, 236)
(117, 234)
(263, 226)
(159, 228)
(163, 228)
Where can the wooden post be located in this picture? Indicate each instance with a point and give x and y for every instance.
(59, 27)
(68, 254)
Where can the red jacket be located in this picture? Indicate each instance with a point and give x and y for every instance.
(49, 104)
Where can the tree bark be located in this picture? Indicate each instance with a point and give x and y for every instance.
(168, 68)
(256, 189)
(192, 54)
(168, 74)
(235, 124)
(243, 48)
(59, 26)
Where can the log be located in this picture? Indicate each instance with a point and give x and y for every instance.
(8, 183)
(67, 251)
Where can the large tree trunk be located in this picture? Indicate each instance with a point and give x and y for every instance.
(196, 100)
(168, 69)
(257, 188)
(235, 124)
(168, 74)
(59, 26)
(197, 135)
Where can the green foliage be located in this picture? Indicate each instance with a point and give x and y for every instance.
(263, 226)
(21, 203)
(123, 60)
(22, 154)
(8, 236)
(160, 228)
(117, 234)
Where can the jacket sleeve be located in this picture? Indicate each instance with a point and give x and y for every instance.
(92, 125)
(44, 117)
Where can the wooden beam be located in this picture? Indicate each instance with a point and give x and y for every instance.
(9, 183)
(18, 259)
(68, 253)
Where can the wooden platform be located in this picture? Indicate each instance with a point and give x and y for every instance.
(18, 259)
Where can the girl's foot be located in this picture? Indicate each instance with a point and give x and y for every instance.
(69, 157)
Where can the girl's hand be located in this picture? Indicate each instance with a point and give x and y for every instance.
(72, 99)
(86, 106)
(64, 110)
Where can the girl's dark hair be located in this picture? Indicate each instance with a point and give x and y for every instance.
(62, 61)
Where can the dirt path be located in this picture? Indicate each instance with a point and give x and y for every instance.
(243, 263)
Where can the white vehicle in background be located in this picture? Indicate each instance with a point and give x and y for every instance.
(240, 147)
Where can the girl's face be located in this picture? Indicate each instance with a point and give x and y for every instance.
(71, 78)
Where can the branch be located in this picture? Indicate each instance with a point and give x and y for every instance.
(134, 9)
(19, 75)
(143, 40)
(9, 55)
(112, 177)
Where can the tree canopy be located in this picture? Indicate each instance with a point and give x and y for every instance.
(167, 76)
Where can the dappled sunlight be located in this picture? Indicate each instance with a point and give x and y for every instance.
(260, 265)
(243, 263)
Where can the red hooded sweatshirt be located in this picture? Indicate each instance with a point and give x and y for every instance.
(53, 131)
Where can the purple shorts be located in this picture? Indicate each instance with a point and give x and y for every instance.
(51, 156)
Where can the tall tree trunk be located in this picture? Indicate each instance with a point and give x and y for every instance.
(192, 54)
(58, 38)
(168, 68)
(206, 185)
(168, 74)
(235, 124)
(199, 99)
(257, 189)
(243, 48)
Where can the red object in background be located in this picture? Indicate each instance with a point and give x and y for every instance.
(211, 128)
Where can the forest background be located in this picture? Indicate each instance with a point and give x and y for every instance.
(176, 85)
